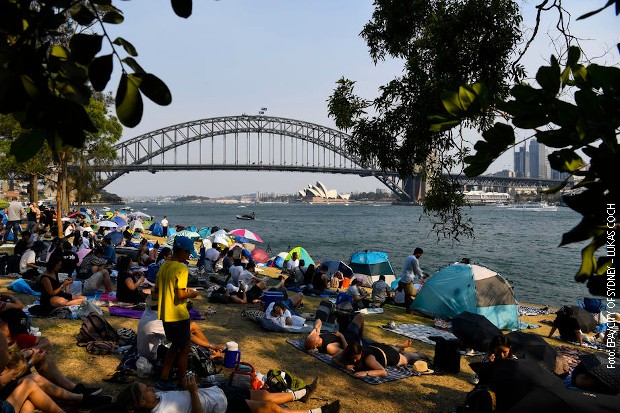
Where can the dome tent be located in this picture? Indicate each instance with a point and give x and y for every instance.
(463, 287)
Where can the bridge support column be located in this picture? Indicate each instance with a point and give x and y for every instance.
(415, 188)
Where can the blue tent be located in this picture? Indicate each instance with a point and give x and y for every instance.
(204, 232)
(369, 265)
(156, 229)
(461, 287)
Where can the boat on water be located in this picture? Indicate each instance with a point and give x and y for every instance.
(105, 209)
(247, 217)
(127, 209)
(533, 206)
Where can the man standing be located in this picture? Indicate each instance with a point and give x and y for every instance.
(172, 293)
(15, 212)
(411, 273)
(164, 227)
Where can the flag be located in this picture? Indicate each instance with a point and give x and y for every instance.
(263, 109)
(261, 112)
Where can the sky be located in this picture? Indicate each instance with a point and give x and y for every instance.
(236, 56)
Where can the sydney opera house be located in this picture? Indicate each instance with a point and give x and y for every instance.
(320, 194)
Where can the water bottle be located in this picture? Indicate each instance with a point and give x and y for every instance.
(214, 378)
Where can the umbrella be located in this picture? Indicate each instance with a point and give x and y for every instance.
(212, 254)
(218, 233)
(81, 254)
(189, 234)
(259, 255)
(474, 330)
(134, 225)
(245, 233)
(533, 347)
(119, 221)
(108, 224)
(333, 266)
(585, 318)
(221, 240)
(115, 237)
(139, 214)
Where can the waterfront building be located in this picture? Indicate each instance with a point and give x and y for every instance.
(320, 194)
(486, 198)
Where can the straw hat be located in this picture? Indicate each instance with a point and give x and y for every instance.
(421, 367)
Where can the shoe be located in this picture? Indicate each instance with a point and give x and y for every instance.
(90, 401)
(310, 388)
(333, 407)
(165, 385)
(81, 389)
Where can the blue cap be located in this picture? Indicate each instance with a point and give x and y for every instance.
(184, 244)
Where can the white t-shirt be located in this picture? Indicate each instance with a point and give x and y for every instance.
(212, 400)
(29, 257)
(292, 264)
(14, 211)
(164, 222)
(235, 272)
(298, 322)
(150, 333)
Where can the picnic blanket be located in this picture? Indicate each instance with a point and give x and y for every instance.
(394, 373)
(420, 332)
(131, 313)
(571, 355)
(526, 310)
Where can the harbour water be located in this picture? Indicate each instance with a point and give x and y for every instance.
(521, 245)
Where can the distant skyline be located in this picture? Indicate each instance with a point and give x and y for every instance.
(235, 57)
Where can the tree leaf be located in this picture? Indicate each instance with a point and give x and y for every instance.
(131, 62)
(566, 160)
(452, 103)
(182, 8)
(27, 145)
(84, 47)
(129, 104)
(82, 15)
(131, 51)
(100, 70)
(548, 77)
(574, 53)
(156, 90)
(113, 17)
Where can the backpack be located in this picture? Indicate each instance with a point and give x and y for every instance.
(101, 347)
(244, 376)
(96, 328)
(200, 362)
(447, 356)
(481, 400)
(326, 312)
(281, 380)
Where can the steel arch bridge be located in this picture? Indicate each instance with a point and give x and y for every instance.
(248, 143)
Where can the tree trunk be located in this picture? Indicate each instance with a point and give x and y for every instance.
(65, 193)
(34, 187)
(59, 186)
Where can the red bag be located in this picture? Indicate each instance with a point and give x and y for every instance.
(244, 376)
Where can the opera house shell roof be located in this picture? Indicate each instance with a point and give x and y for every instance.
(319, 190)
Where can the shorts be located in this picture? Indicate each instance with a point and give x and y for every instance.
(177, 332)
(92, 284)
(6, 407)
(253, 293)
(408, 288)
(236, 398)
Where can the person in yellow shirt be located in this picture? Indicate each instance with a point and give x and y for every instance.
(172, 293)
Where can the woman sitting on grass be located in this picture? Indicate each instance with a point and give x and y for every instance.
(140, 398)
(371, 360)
(127, 289)
(53, 292)
(500, 348)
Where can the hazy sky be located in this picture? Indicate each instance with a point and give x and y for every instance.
(236, 56)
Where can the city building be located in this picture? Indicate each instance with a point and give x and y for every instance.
(522, 163)
(486, 198)
(539, 164)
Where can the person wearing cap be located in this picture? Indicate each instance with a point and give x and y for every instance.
(172, 294)
(94, 274)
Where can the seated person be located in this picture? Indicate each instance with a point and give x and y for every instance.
(568, 326)
(500, 348)
(69, 259)
(151, 334)
(336, 280)
(320, 282)
(139, 397)
(127, 288)
(8, 302)
(381, 292)
(94, 274)
(28, 267)
(358, 294)
(17, 377)
(371, 360)
(292, 264)
(297, 278)
(53, 292)
(23, 244)
(279, 313)
(109, 252)
(14, 326)
(334, 343)
(309, 274)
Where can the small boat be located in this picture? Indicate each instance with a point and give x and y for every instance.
(128, 209)
(145, 209)
(534, 206)
(105, 209)
(246, 216)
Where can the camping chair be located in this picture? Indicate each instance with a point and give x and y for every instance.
(592, 305)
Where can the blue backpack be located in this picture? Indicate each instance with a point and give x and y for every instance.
(151, 272)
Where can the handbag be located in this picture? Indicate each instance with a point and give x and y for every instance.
(88, 306)
(244, 376)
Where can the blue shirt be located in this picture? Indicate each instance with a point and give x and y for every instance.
(109, 253)
(411, 270)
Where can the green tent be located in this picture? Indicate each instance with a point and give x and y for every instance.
(302, 254)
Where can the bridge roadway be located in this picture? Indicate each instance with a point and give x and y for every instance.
(264, 143)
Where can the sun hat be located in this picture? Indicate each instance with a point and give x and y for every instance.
(596, 365)
(47, 236)
(184, 244)
(421, 367)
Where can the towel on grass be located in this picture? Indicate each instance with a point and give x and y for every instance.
(131, 313)
(394, 373)
(420, 332)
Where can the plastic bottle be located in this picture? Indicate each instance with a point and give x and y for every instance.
(214, 377)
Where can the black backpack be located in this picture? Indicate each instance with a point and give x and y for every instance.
(96, 328)
(447, 356)
(326, 312)
(200, 362)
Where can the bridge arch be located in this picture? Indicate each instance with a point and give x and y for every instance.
(246, 142)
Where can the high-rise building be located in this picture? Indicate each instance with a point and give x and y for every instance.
(522, 163)
(539, 165)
